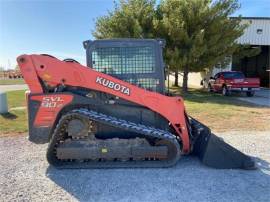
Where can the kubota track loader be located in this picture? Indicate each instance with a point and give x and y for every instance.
(114, 111)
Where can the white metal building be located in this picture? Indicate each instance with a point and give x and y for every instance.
(258, 31)
(257, 34)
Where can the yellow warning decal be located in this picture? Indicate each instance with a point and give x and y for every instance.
(104, 150)
(47, 76)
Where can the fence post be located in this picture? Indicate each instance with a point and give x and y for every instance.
(3, 103)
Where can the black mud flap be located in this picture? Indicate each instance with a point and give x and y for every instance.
(216, 153)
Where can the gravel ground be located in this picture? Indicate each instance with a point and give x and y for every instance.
(261, 97)
(26, 176)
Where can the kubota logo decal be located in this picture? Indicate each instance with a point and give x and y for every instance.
(112, 85)
(52, 102)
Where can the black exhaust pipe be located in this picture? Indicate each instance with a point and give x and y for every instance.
(216, 153)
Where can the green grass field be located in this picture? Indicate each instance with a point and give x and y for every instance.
(11, 81)
(15, 121)
(218, 112)
(225, 113)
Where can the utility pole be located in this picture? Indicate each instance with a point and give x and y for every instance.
(9, 66)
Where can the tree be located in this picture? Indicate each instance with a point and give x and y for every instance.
(199, 31)
(130, 19)
(246, 50)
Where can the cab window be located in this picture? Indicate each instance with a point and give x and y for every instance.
(124, 60)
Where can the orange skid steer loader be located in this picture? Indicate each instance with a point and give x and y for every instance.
(114, 112)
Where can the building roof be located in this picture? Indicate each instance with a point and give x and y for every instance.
(258, 31)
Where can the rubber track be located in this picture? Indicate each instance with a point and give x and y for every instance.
(145, 131)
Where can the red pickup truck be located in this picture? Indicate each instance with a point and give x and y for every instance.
(229, 81)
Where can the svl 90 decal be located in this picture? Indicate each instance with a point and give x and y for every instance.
(50, 106)
(52, 102)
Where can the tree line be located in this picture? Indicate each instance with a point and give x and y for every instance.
(198, 33)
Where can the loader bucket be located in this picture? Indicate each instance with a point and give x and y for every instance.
(216, 153)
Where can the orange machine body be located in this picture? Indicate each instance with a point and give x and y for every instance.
(55, 72)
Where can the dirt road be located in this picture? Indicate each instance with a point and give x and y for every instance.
(5, 88)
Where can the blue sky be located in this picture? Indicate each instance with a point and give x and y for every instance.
(58, 27)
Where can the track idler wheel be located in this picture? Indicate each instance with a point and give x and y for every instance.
(78, 128)
(173, 151)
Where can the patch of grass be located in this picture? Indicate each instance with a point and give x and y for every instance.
(13, 122)
(16, 120)
(225, 113)
(16, 98)
(11, 81)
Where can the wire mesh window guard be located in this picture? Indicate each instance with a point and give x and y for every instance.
(124, 60)
(127, 60)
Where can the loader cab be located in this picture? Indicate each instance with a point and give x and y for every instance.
(137, 61)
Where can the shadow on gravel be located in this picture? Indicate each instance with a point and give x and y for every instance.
(262, 164)
(189, 180)
(9, 116)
